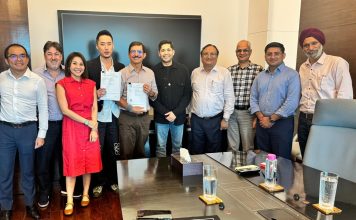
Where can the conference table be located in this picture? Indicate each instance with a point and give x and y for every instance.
(153, 184)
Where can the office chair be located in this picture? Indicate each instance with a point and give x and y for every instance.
(331, 144)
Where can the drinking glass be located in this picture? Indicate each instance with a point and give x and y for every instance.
(327, 190)
(210, 182)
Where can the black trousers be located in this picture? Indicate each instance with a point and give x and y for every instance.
(46, 158)
(109, 145)
(304, 124)
(206, 134)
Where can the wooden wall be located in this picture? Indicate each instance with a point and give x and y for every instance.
(13, 26)
(337, 19)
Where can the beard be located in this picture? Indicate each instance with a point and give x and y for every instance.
(314, 54)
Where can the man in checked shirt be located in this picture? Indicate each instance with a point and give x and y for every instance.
(240, 122)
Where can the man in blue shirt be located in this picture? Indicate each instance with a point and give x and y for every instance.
(51, 152)
(274, 98)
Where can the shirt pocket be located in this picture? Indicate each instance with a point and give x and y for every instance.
(217, 87)
(325, 82)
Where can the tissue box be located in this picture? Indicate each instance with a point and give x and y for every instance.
(186, 169)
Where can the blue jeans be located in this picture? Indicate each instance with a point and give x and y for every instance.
(162, 134)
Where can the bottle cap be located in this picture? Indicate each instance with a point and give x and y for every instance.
(271, 156)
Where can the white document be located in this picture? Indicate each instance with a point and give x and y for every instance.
(111, 81)
(136, 96)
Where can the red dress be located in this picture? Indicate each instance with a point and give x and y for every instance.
(80, 156)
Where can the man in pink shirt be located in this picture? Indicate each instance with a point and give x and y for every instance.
(322, 77)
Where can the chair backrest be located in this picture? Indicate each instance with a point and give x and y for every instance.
(331, 144)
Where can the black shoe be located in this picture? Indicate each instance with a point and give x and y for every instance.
(98, 191)
(43, 201)
(33, 212)
(5, 215)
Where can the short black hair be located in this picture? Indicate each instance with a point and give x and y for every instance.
(275, 44)
(137, 43)
(69, 61)
(209, 45)
(165, 42)
(103, 32)
(6, 51)
(53, 44)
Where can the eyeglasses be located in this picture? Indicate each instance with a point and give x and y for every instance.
(139, 52)
(209, 54)
(242, 50)
(15, 57)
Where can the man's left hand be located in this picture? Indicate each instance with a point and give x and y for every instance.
(265, 122)
(224, 124)
(146, 88)
(170, 116)
(39, 142)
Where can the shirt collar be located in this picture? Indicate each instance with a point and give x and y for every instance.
(248, 67)
(278, 69)
(61, 70)
(131, 68)
(214, 69)
(26, 74)
(321, 60)
(70, 79)
(61, 67)
(103, 66)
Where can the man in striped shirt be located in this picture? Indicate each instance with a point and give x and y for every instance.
(240, 124)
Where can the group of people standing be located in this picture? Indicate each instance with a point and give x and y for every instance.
(58, 112)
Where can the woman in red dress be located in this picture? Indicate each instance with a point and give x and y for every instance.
(77, 99)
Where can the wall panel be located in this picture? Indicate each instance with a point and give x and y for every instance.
(13, 26)
(337, 19)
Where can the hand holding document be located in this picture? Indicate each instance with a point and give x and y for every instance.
(111, 81)
(136, 96)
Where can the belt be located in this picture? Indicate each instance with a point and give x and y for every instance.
(55, 122)
(206, 118)
(241, 107)
(308, 116)
(20, 125)
(134, 114)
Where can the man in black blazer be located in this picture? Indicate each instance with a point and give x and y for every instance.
(108, 113)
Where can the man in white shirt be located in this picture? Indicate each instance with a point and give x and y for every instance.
(212, 102)
(108, 113)
(322, 77)
(22, 92)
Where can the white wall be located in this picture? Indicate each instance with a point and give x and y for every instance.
(222, 25)
(224, 22)
(274, 20)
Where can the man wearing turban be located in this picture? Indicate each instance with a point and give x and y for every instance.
(322, 77)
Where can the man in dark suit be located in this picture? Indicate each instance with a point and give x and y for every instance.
(108, 113)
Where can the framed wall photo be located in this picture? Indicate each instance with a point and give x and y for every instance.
(78, 30)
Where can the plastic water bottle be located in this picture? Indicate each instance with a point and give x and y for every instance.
(271, 170)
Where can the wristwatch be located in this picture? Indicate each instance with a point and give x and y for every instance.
(272, 121)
